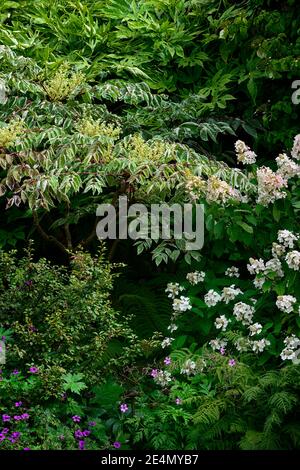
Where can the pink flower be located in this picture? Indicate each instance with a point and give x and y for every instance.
(167, 361)
(76, 419)
(18, 403)
(124, 408)
(178, 401)
(231, 362)
(81, 445)
(222, 351)
(33, 370)
(154, 373)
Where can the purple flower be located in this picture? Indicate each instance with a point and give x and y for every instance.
(5, 418)
(86, 433)
(167, 361)
(25, 416)
(17, 418)
(2, 437)
(15, 435)
(117, 445)
(32, 328)
(81, 445)
(178, 401)
(76, 419)
(26, 448)
(18, 403)
(78, 434)
(123, 407)
(15, 372)
(92, 423)
(154, 373)
(5, 431)
(28, 283)
(231, 362)
(62, 437)
(222, 351)
(33, 370)
(3, 338)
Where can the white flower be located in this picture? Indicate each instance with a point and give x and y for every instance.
(255, 329)
(277, 250)
(189, 367)
(217, 344)
(260, 345)
(173, 288)
(232, 272)
(274, 265)
(287, 354)
(163, 378)
(219, 191)
(166, 342)
(269, 186)
(244, 154)
(293, 260)
(287, 167)
(196, 277)
(259, 282)
(172, 327)
(292, 342)
(243, 313)
(212, 298)
(285, 303)
(181, 305)
(229, 293)
(242, 344)
(221, 322)
(296, 148)
(287, 238)
(256, 266)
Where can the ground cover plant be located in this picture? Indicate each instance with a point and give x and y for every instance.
(145, 344)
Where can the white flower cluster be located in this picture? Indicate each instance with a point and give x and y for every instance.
(162, 378)
(217, 344)
(221, 323)
(182, 304)
(269, 186)
(291, 351)
(189, 367)
(287, 238)
(287, 168)
(285, 303)
(230, 293)
(166, 342)
(277, 250)
(274, 265)
(243, 313)
(296, 148)
(173, 289)
(255, 329)
(244, 154)
(212, 298)
(172, 327)
(232, 272)
(219, 191)
(293, 260)
(256, 266)
(260, 345)
(195, 277)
